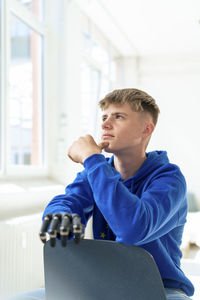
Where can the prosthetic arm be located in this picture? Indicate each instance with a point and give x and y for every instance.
(63, 225)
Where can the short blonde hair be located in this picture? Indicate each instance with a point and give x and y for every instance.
(139, 101)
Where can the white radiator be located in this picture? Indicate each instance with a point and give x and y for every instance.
(21, 255)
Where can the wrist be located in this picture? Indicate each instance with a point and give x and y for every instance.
(84, 157)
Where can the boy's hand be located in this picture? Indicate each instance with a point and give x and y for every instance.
(84, 147)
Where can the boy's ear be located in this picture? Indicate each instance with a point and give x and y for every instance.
(148, 129)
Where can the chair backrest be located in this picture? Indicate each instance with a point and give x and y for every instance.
(101, 270)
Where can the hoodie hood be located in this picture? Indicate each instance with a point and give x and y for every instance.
(154, 160)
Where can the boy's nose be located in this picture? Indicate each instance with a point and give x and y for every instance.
(107, 124)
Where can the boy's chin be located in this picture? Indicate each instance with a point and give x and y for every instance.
(108, 150)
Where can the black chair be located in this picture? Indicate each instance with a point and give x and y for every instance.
(100, 270)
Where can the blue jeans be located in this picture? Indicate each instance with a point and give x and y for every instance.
(172, 294)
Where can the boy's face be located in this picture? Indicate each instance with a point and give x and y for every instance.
(124, 129)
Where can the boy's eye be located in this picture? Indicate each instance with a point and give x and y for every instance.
(119, 116)
(103, 119)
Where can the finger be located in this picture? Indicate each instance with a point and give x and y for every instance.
(77, 227)
(44, 227)
(65, 228)
(103, 145)
(68, 154)
(54, 228)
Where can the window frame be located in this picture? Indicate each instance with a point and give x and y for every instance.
(13, 7)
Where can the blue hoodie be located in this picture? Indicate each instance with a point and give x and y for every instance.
(147, 210)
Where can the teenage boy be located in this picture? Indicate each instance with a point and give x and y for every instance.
(135, 197)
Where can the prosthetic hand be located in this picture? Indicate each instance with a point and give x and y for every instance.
(63, 225)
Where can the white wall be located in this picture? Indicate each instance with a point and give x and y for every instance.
(127, 72)
(175, 84)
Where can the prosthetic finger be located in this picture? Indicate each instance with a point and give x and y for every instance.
(65, 228)
(77, 228)
(44, 227)
(54, 226)
(63, 224)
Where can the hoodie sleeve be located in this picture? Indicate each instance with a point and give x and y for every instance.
(78, 199)
(135, 220)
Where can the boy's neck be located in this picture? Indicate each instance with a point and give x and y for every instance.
(128, 165)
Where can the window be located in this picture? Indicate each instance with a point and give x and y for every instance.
(35, 6)
(90, 89)
(22, 87)
(97, 74)
(25, 95)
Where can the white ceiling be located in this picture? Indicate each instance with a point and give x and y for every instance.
(148, 27)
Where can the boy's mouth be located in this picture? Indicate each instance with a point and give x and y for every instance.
(107, 136)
